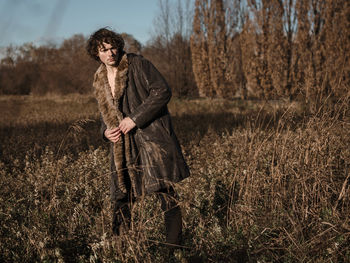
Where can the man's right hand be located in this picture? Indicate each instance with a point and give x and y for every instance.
(113, 134)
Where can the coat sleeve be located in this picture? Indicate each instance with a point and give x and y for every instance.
(158, 97)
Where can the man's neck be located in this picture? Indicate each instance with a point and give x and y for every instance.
(111, 69)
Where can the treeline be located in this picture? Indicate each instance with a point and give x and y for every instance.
(51, 69)
(266, 49)
(272, 49)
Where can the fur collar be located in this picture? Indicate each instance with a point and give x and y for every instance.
(109, 106)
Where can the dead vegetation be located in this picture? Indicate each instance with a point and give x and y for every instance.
(270, 183)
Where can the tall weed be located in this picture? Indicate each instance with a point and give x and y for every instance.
(270, 183)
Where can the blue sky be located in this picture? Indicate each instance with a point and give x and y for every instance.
(38, 21)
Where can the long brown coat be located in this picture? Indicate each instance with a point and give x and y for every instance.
(155, 151)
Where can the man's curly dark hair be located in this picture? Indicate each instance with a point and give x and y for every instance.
(104, 35)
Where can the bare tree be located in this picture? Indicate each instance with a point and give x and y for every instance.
(322, 69)
(199, 50)
(169, 49)
(216, 48)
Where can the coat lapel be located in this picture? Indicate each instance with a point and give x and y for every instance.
(109, 106)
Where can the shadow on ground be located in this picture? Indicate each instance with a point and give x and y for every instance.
(18, 141)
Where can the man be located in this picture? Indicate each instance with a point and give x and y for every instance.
(145, 154)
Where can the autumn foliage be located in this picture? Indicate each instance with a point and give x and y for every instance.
(272, 49)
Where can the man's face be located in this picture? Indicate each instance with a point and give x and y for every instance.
(107, 54)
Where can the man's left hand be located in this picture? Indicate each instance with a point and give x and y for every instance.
(126, 125)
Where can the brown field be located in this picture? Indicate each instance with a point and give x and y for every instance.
(270, 183)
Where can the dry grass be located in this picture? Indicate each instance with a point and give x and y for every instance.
(270, 183)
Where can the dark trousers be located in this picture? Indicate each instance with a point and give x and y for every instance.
(170, 207)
